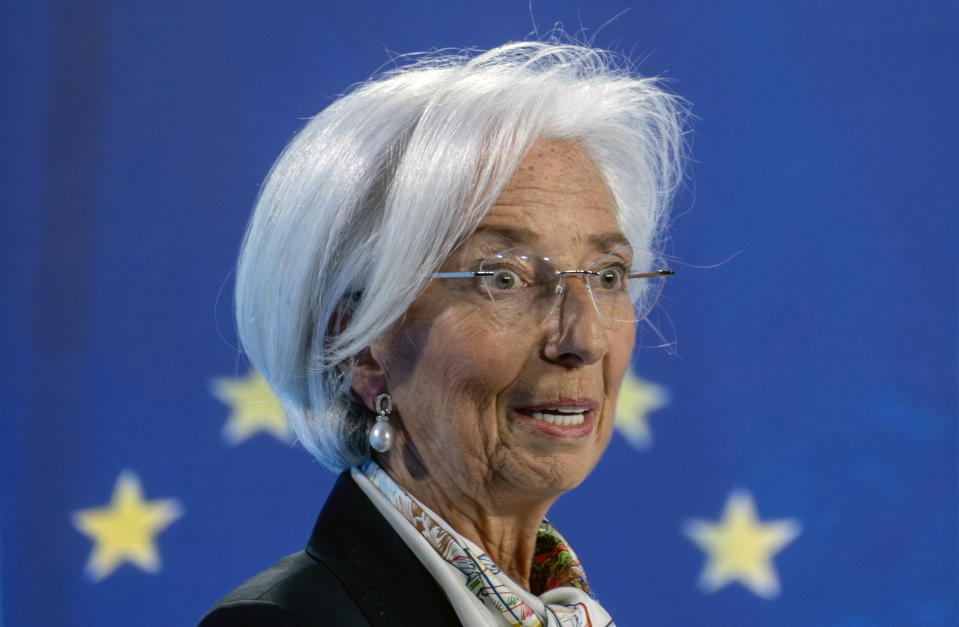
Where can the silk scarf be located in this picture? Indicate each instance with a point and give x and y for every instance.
(560, 595)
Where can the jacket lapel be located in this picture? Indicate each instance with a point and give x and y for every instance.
(387, 582)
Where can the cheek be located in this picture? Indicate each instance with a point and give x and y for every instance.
(617, 362)
(472, 363)
(450, 396)
(621, 351)
(454, 367)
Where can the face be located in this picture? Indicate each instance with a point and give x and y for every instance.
(480, 401)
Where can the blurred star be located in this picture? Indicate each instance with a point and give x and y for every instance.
(740, 548)
(254, 408)
(126, 529)
(637, 398)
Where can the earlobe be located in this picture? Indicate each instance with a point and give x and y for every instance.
(369, 380)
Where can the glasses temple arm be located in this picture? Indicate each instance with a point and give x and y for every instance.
(460, 275)
(649, 275)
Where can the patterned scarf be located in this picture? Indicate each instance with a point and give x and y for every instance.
(557, 576)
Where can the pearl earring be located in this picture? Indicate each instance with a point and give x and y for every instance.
(381, 433)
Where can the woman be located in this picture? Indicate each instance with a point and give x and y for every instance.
(441, 281)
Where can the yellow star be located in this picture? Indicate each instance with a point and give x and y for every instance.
(125, 530)
(637, 398)
(254, 408)
(740, 548)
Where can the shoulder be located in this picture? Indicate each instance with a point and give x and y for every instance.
(355, 570)
(297, 590)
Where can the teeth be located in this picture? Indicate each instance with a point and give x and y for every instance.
(564, 417)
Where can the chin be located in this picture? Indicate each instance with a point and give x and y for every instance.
(551, 475)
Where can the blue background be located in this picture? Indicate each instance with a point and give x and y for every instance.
(816, 368)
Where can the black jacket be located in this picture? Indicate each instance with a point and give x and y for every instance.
(355, 571)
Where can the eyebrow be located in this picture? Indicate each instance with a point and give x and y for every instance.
(601, 241)
(510, 234)
(609, 241)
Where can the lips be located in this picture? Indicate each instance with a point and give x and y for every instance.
(567, 418)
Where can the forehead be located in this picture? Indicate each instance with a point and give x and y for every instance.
(557, 200)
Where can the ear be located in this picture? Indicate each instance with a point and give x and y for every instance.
(369, 380)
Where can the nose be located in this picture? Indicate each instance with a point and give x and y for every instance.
(576, 334)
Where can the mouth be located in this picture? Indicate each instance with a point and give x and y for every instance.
(564, 419)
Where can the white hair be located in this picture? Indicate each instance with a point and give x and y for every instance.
(372, 196)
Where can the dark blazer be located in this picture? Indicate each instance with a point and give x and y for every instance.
(355, 571)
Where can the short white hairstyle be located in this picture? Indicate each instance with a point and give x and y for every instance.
(370, 198)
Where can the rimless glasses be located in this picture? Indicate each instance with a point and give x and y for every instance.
(525, 285)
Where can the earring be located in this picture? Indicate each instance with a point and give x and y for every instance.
(381, 433)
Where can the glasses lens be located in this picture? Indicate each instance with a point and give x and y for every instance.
(519, 283)
(620, 295)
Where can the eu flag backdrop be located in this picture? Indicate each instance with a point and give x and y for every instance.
(793, 461)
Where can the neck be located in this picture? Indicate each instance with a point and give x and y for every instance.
(489, 511)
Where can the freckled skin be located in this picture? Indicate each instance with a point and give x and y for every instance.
(457, 371)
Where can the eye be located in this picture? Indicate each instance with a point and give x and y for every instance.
(505, 280)
(611, 278)
(510, 270)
